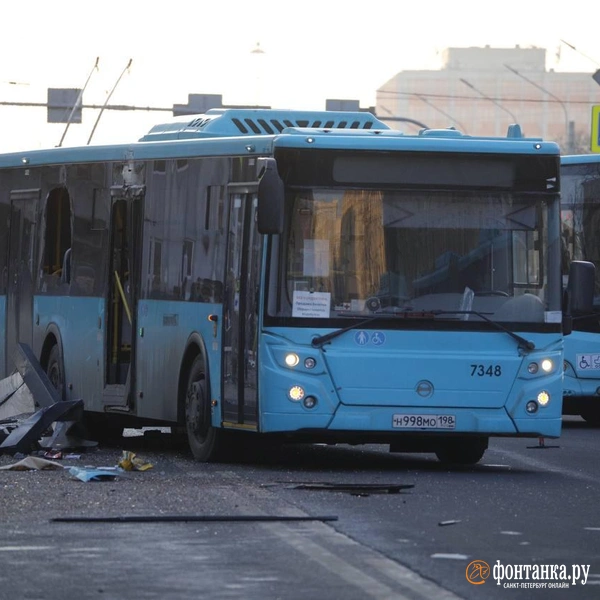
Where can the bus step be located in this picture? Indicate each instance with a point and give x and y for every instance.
(115, 394)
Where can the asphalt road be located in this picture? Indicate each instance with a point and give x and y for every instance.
(304, 522)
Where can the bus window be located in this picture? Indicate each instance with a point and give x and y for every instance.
(57, 239)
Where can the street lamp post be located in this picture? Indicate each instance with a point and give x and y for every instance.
(420, 97)
(596, 75)
(393, 117)
(494, 101)
(543, 89)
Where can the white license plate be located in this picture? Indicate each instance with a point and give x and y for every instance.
(423, 421)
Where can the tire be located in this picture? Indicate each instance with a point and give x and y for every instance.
(205, 441)
(55, 371)
(462, 451)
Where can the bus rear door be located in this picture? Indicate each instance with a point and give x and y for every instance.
(19, 304)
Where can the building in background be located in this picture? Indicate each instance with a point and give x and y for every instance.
(480, 91)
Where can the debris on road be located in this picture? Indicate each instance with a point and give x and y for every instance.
(357, 489)
(186, 518)
(95, 473)
(30, 463)
(30, 389)
(130, 462)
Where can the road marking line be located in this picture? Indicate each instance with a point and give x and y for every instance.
(24, 548)
(303, 538)
(538, 464)
(411, 580)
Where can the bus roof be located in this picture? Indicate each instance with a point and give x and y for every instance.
(258, 132)
(579, 159)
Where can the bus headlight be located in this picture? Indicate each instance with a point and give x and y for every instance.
(310, 362)
(309, 402)
(296, 393)
(543, 398)
(547, 366)
(531, 407)
(292, 359)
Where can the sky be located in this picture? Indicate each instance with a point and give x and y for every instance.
(309, 51)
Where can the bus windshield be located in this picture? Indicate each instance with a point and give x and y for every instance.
(365, 251)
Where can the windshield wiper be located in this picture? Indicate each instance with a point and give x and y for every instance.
(320, 340)
(523, 343)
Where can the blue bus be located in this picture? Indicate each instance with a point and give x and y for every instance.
(282, 276)
(580, 199)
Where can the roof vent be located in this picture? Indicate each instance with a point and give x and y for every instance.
(219, 122)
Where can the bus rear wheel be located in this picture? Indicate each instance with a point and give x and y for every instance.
(204, 440)
(462, 451)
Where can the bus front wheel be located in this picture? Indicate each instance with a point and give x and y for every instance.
(462, 451)
(203, 438)
(55, 372)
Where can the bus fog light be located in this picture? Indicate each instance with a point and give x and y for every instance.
(310, 363)
(532, 368)
(547, 365)
(543, 398)
(309, 402)
(531, 407)
(291, 359)
(296, 393)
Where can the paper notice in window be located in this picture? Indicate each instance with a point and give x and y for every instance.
(311, 304)
(316, 258)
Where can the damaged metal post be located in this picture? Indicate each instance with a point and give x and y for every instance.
(44, 393)
(26, 435)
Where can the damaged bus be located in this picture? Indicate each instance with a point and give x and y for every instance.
(293, 276)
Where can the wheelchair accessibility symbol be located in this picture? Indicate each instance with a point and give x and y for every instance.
(362, 338)
(378, 338)
(588, 362)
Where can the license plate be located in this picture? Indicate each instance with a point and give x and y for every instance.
(423, 421)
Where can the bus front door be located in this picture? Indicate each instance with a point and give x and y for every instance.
(241, 314)
(121, 296)
(21, 248)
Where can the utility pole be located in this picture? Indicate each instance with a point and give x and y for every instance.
(568, 132)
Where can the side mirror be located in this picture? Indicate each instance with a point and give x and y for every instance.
(270, 199)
